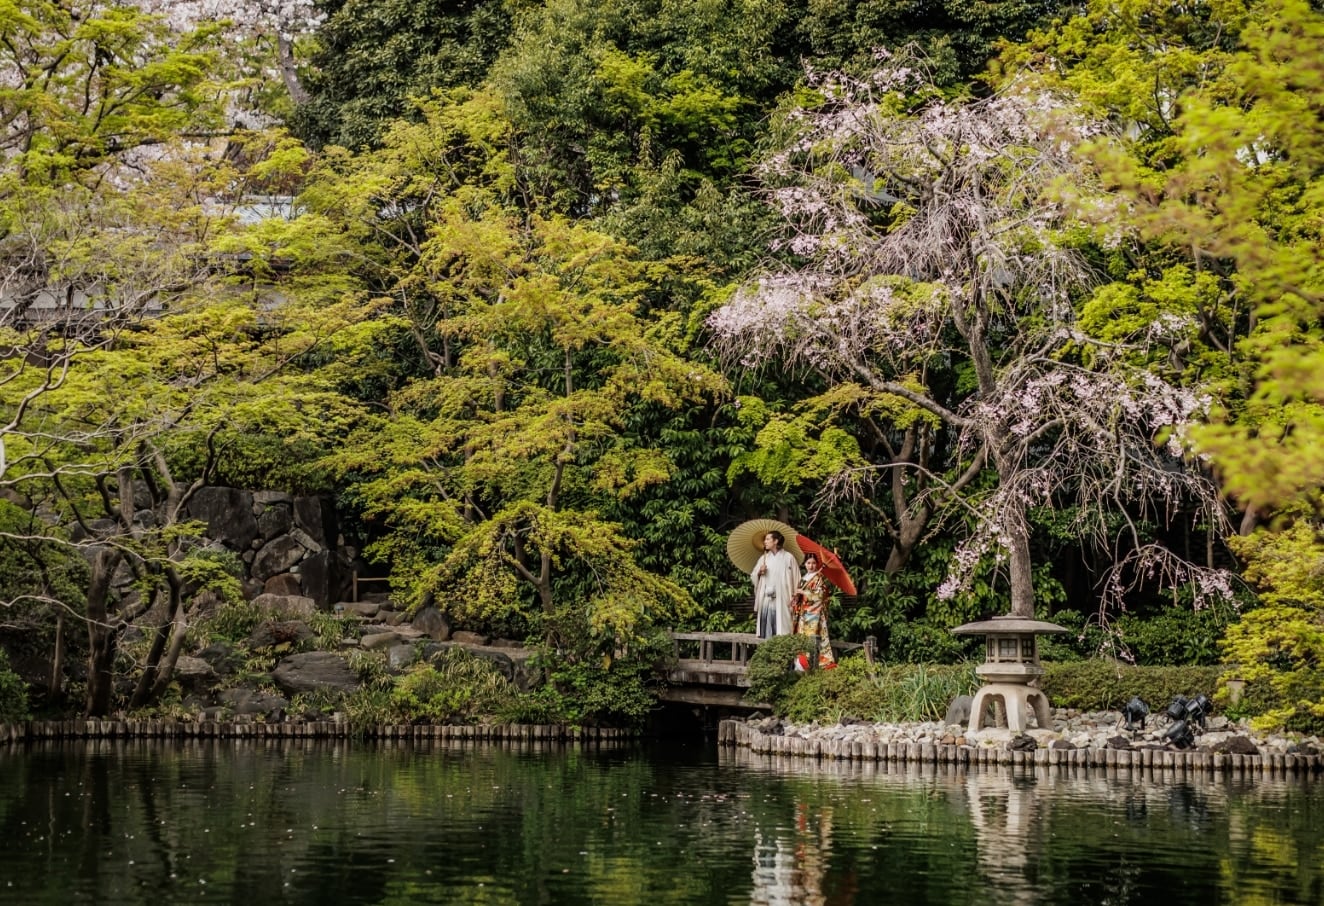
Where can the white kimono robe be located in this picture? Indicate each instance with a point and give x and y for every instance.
(773, 592)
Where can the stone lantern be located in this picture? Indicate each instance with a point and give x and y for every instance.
(1011, 663)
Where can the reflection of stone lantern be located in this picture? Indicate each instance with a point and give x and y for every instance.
(1011, 663)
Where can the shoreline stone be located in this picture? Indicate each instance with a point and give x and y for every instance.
(1095, 739)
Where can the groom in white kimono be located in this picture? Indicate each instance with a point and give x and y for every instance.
(776, 577)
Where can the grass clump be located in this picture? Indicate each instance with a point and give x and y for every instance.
(898, 693)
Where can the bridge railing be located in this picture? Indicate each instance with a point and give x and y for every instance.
(711, 667)
(714, 652)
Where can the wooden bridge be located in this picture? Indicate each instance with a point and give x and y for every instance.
(710, 668)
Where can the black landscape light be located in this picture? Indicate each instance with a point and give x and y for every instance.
(1180, 735)
(1198, 708)
(1177, 710)
(1135, 711)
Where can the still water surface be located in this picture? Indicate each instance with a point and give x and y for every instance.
(317, 822)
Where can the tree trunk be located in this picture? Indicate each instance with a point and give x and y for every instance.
(57, 661)
(101, 636)
(143, 688)
(289, 71)
(1021, 570)
(907, 537)
(166, 671)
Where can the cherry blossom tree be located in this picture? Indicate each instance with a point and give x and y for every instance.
(276, 24)
(933, 261)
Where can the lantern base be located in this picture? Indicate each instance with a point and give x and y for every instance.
(1015, 699)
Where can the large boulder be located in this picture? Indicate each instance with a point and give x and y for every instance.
(222, 657)
(277, 556)
(432, 623)
(1237, 745)
(228, 513)
(314, 670)
(280, 632)
(288, 606)
(243, 701)
(317, 517)
(194, 674)
(282, 584)
(376, 640)
(275, 519)
(319, 577)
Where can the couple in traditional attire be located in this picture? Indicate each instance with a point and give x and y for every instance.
(787, 602)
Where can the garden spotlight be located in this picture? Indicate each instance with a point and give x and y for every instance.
(1135, 711)
(1180, 735)
(1198, 708)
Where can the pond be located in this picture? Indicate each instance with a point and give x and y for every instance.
(334, 822)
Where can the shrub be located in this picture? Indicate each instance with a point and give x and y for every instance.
(595, 690)
(900, 692)
(1279, 646)
(368, 706)
(1176, 636)
(1104, 685)
(233, 621)
(771, 670)
(13, 694)
(455, 687)
(924, 642)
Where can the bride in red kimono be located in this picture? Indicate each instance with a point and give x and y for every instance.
(809, 611)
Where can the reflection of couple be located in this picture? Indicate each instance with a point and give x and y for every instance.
(788, 872)
(786, 603)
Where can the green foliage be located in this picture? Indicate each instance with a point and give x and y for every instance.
(1082, 640)
(454, 687)
(486, 477)
(957, 38)
(1227, 150)
(13, 694)
(895, 693)
(1177, 636)
(771, 671)
(903, 611)
(884, 694)
(330, 630)
(677, 523)
(924, 641)
(1105, 685)
(584, 690)
(1169, 634)
(373, 56)
(317, 704)
(371, 666)
(219, 572)
(1278, 647)
(367, 707)
(97, 81)
(233, 621)
(792, 451)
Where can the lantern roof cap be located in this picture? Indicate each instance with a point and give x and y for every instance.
(1006, 624)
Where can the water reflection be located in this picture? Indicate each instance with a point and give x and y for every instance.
(790, 870)
(1063, 834)
(316, 822)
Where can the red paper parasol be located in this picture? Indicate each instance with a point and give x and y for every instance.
(832, 569)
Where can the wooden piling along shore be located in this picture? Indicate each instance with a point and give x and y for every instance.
(739, 733)
(170, 729)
